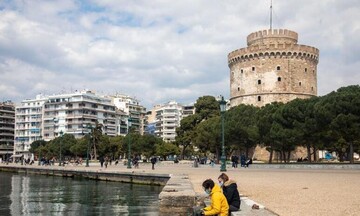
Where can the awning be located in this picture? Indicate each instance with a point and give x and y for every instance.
(15, 156)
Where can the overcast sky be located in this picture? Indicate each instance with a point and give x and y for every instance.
(160, 50)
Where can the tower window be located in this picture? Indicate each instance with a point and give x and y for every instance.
(279, 79)
(278, 68)
(238, 88)
(242, 71)
(305, 70)
(253, 68)
(312, 88)
(299, 83)
(259, 98)
(259, 82)
(313, 71)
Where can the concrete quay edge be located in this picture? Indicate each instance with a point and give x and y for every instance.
(177, 197)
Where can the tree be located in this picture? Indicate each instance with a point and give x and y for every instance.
(207, 136)
(338, 114)
(241, 130)
(80, 147)
(265, 120)
(148, 143)
(206, 107)
(96, 134)
(36, 144)
(165, 149)
(286, 129)
(185, 133)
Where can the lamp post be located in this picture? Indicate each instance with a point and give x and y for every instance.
(7, 152)
(61, 134)
(223, 157)
(88, 126)
(39, 159)
(129, 145)
(23, 149)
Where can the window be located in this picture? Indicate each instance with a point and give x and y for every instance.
(253, 68)
(238, 88)
(312, 88)
(259, 98)
(242, 71)
(278, 68)
(259, 82)
(299, 83)
(279, 79)
(305, 70)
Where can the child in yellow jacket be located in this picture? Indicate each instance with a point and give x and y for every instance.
(219, 205)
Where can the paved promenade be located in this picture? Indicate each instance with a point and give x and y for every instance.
(282, 191)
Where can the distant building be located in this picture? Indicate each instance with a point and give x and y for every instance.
(47, 117)
(132, 107)
(163, 119)
(70, 113)
(7, 124)
(28, 124)
(188, 110)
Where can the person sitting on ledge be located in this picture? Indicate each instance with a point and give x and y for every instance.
(219, 205)
(230, 191)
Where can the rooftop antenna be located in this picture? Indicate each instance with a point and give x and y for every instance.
(271, 15)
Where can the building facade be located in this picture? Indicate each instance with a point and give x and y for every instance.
(28, 125)
(7, 125)
(168, 117)
(133, 109)
(70, 113)
(47, 117)
(272, 68)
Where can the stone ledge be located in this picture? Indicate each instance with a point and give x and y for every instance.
(177, 197)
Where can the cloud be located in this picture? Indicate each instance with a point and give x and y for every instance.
(160, 50)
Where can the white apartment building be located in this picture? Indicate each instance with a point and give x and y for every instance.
(69, 113)
(167, 119)
(132, 107)
(46, 117)
(28, 125)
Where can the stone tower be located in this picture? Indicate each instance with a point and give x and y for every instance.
(272, 68)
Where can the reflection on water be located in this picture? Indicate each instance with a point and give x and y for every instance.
(48, 195)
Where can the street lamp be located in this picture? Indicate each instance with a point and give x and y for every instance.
(129, 144)
(7, 152)
(88, 126)
(39, 159)
(223, 157)
(61, 134)
(23, 149)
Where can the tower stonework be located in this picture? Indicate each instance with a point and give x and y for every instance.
(272, 68)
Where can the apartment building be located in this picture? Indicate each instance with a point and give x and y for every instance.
(168, 117)
(69, 113)
(131, 107)
(28, 125)
(188, 110)
(163, 119)
(47, 117)
(7, 124)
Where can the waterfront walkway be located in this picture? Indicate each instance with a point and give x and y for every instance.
(282, 191)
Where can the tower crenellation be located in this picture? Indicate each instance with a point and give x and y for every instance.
(272, 35)
(272, 68)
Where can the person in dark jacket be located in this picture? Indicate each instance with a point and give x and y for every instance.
(230, 191)
(153, 162)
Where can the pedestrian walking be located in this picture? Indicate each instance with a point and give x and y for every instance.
(153, 162)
